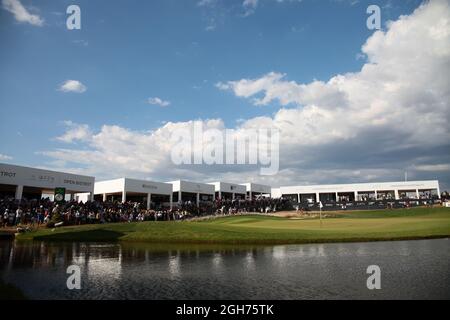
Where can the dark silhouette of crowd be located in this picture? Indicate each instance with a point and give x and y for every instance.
(46, 212)
(256, 205)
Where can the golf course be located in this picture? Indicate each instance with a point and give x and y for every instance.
(351, 226)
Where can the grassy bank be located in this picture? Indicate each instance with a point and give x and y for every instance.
(418, 223)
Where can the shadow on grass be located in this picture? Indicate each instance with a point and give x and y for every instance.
(89, 235)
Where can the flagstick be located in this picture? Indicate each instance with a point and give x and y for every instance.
(320, 215)
(320, 212)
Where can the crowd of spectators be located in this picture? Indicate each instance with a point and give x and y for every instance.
(258, 205)
(46, 212)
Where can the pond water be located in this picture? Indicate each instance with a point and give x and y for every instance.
(409, 270)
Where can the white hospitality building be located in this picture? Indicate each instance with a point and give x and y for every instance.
(361, 191)
(32, 183)
(194, 192)
(126, 189)
(229, 191)
(254, 189)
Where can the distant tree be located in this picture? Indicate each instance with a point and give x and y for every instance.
(445, 195)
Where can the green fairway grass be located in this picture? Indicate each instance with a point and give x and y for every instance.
(417, 223)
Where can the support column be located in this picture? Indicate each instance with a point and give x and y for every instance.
(417, 194)
(233, 196)
(91, 196)
(171, 201)
(179, 197)
(198, 199)
(19, 192)
(376, 195)
(124, 196)
(250, 195)
(149, 200)
(298, 197)
(317, 197)
(397, 197)
(337, 197)
(356, 195)
(220, 195)
(104, 197)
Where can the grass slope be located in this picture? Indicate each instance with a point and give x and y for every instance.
(398, 224)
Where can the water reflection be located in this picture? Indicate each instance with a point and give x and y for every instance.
(411, 269)
(250, 261)
(174, 264)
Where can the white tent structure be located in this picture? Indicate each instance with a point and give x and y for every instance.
(138, 190)
(225, 190)
(254, 189)
(362, 191)
(26, 182)
(192, 191)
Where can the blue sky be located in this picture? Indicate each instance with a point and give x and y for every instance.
(129, 51)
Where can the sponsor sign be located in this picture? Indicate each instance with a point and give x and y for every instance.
(60, 194)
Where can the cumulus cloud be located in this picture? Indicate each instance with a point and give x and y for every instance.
(249, 6)
(114, 150)
(401, 90)
(4, 157)
(21, 14)
(158, 101)
(72, 86)
(370, 125)
(75, 132)
(273, 86)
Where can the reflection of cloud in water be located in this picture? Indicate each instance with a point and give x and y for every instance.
(174, 265)
(279, 252)
(217, 261)
(298, 251)
(249, 261)
(317, 251)
(98, 261)
(362, 251)
(111, 268)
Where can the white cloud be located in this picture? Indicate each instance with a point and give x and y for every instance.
(158, 101)
(273, 86)
(203, 3)
(362, 126)
(211, 27)
(250, 3)
(83, 43)
(433, 167)
(4, 157)
(75, 132)
(249, 6)
(21, 14)
(115, 150)
(72, 86)
(403, 93)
